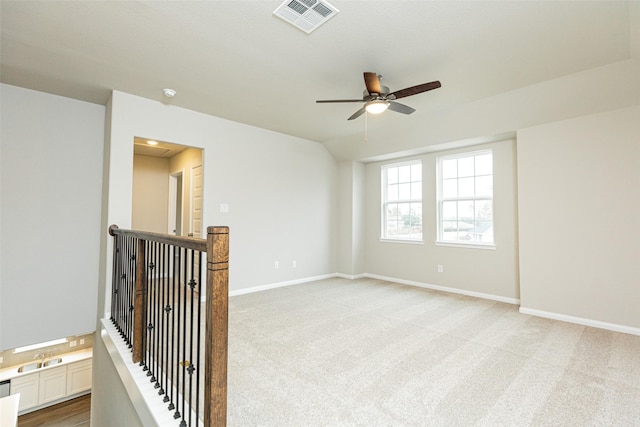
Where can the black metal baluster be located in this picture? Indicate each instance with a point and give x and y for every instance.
(149, 309)
(158, 329)
(126, 325)
(177, 414)
(162, 373)
(127, 301)
(199, 309)
(152, 267)
(172, 355)
(184, 339)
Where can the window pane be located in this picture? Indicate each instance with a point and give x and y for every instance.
(392, 211)
(416, 172)
(449, 168)
(465, 166)
(466, 211)
(404, 191)
(392, 193)
(484, 210)
(392, 228)
(449, 210)
(465, 187)
(483, 232)
(404, 174)
(392, 175)
(416, 190)
(449, 188)
(484, 185)
(484, 164)
(449, 230)
(403, 210)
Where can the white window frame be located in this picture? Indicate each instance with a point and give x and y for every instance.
(384, 236)
(440, 201)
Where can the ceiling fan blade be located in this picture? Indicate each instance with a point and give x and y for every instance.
(322, 101)
(414, 90)
(356, 114)
(372, 82)
(400, 108)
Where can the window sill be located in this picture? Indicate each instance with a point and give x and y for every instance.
(485, 246)
(408, 241)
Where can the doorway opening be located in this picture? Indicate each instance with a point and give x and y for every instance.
(175, 204)
(167, 188)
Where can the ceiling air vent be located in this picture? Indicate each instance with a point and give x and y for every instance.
(306, 15)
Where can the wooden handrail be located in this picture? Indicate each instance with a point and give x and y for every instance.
(194, 243)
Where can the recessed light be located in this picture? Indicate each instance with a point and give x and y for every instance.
(169, 93)
(152, 142)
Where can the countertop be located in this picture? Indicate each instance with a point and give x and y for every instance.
(9, 410)
(11, 372)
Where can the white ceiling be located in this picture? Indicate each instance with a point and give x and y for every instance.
(236, 60)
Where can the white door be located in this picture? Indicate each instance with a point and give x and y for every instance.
(196, 212)
(196, 201)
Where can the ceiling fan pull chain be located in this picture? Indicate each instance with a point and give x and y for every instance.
(366, 133)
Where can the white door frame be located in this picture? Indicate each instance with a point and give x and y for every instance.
(176, 182)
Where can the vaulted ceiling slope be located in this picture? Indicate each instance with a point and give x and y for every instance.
(236, 60)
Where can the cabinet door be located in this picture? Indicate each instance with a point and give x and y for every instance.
(27, 386)
(53, 384)
(78, 377)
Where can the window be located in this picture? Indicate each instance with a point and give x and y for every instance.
(402, 201)
(465, 198)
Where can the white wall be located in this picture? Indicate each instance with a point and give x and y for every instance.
(579, 204)
(51, 178)
(493, 273)
(150, 201)
(351, 253)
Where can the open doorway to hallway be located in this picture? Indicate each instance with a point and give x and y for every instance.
(167, 188)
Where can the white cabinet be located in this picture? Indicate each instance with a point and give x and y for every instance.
(27, 386)
(53, 385)
(78, 377)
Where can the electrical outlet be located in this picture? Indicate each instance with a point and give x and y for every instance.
(294, 264)
(276, 264)
(1, 359)
(440, 268)
(73, 343)
(81, 341)
(224, 207)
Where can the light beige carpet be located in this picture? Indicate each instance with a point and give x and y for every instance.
(366, 352)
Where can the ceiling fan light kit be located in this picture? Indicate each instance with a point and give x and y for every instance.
(378, 98)
(376, 106)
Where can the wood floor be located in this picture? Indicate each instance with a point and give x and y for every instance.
(73, 413)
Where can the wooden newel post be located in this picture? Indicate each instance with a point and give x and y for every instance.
(216, 333)
(140, 303)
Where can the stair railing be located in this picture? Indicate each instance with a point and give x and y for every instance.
(156, 306)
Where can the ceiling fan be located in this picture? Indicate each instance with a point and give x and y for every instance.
(378, 98)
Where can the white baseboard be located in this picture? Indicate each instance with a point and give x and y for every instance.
(446, 289)
(279, 285)
(581, 321)
(350, 276)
